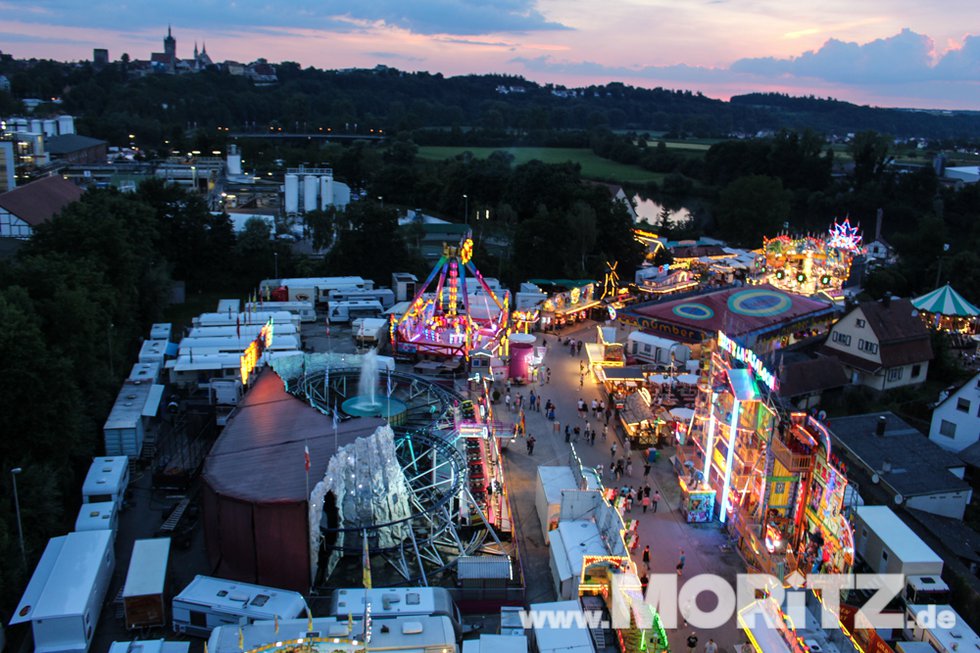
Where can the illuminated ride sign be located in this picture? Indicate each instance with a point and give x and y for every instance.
(748, 357)
(250, 357)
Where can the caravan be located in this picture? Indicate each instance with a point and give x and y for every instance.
(64, 598)
(655, 350)
(207, 603)
(397, 602)
(347, 311)
(305, 309)
(106, 480)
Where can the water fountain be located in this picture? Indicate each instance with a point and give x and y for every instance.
(367, 403)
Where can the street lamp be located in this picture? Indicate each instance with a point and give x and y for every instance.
(382, 200)
(276, 255)
(466, 208)
(20, 529)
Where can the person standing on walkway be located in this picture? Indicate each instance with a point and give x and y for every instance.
(629, 503)
(568, 433)
(530, 444)
(692, 643)
(608, 414)
(612, 451)
(578, 345)
(646, 503)
(680, 568)
(598, 470)
(591, 437)
(547, 375)
(646, 557)
(532, 400)
(581, 380)
(629, 468)
(656, 500)
(507, 401)
(711, 647)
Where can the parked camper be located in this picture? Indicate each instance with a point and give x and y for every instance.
(64, 597)
(195, 370)
(144, 594)
(250, 331)
(889, 546)
(942, 627)
(397, 602)
(145, 372)
(257, 317)
(558, 636)
(304, 309)
(106, 480)
(347, 311)
(368, 330)
(207, 603)
(392, 635)
(153, 351)
(384, 295)
(161, 331)
(656, 350)
(101, 516)
(404, 284)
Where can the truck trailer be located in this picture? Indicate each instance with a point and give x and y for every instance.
(145, 591)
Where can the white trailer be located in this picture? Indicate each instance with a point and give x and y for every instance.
(233, 344)
(347, 311)
(207, 603)
(942, 627)
(150, 646)
(384, 295)
(552, 481)
(656, 350)
(65, 595)
(153, 351)
(161, 331)
(254, 317)
(405, 286)
(305, 309)
(397, 602)
(368, 330)
(229, 305)
(567, 633)
(136, 405)
(889, 546)
(101, 516)
(250, 331)
(391, 635)
(145, 591)
(145, 372)
(199, 369)
(106, 480)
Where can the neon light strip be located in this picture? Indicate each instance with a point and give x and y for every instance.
(710, 442)
(732, 435)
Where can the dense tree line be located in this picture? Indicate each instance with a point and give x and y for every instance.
(161, 108)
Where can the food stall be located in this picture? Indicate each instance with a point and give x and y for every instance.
(620, 382)
(640, 418)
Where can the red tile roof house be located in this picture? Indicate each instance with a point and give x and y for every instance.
(883, 345)
(23, 209)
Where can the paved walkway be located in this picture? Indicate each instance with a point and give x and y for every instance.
(665, 531)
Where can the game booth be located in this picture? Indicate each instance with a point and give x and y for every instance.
(449, 323)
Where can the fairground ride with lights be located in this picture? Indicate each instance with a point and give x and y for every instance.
(810, 264)
(451, 322)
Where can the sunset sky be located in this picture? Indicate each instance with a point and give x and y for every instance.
(897, 53)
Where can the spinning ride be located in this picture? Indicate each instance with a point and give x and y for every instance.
(450, 322)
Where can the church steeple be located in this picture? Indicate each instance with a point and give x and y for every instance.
(170, 44)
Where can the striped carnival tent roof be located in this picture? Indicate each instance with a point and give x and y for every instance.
(945, 301)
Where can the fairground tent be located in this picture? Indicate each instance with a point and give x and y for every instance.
(945, 301)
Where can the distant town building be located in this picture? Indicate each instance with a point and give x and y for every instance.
(100, 58)
(4, 83)
(7, 167)
(24, 208)
(74, 148)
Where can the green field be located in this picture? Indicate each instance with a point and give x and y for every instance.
(593, 166)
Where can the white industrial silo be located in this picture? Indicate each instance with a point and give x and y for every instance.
(326, 191)
(292, 194)
(234, 160)
(66, 125)
(310, 187)
(50, 128)
(37, 126)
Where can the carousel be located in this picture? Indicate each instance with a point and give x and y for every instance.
(946, 310)
(810, 264)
